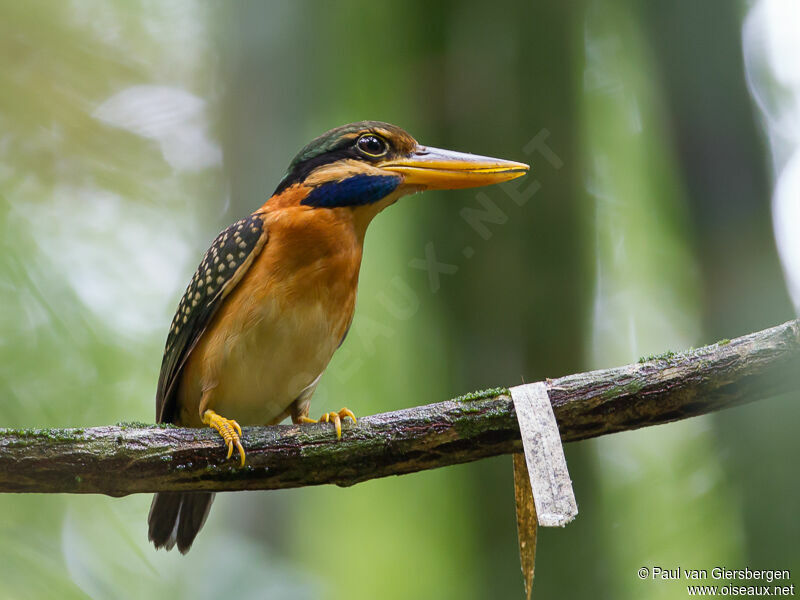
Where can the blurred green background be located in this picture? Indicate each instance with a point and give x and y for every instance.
(132, 131)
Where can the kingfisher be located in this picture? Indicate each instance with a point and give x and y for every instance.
(274, 295)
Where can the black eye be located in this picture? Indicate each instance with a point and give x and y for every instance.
(371, 145)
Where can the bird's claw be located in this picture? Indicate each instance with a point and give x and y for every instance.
(332, 417)
(229, 430)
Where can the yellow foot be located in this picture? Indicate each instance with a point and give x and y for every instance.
(229, 430)
(332, 417)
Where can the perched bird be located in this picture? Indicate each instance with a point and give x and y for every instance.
(274, 295)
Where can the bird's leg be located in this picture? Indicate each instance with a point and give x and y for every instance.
(229, 430)
(329, 417)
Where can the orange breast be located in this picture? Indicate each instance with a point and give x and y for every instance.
(276, 332)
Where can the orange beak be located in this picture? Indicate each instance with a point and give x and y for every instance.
(434, 168)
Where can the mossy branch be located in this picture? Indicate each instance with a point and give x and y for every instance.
(128, 459)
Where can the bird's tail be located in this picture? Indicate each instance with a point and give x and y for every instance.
(177, 517)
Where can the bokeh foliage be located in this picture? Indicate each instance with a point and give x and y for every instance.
(133, 131)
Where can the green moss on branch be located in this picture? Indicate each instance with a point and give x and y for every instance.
(133, 457)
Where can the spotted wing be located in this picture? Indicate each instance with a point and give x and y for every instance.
(222, 267)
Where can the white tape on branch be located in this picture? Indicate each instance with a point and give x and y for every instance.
(544, 455)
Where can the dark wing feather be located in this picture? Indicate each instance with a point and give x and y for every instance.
(222, 267)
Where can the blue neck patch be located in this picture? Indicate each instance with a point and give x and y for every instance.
(357, 190)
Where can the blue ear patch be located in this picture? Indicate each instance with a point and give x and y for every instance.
(353, 191)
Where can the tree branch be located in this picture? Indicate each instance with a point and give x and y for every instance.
(128, 459)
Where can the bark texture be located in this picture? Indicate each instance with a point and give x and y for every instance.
(135, 458)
